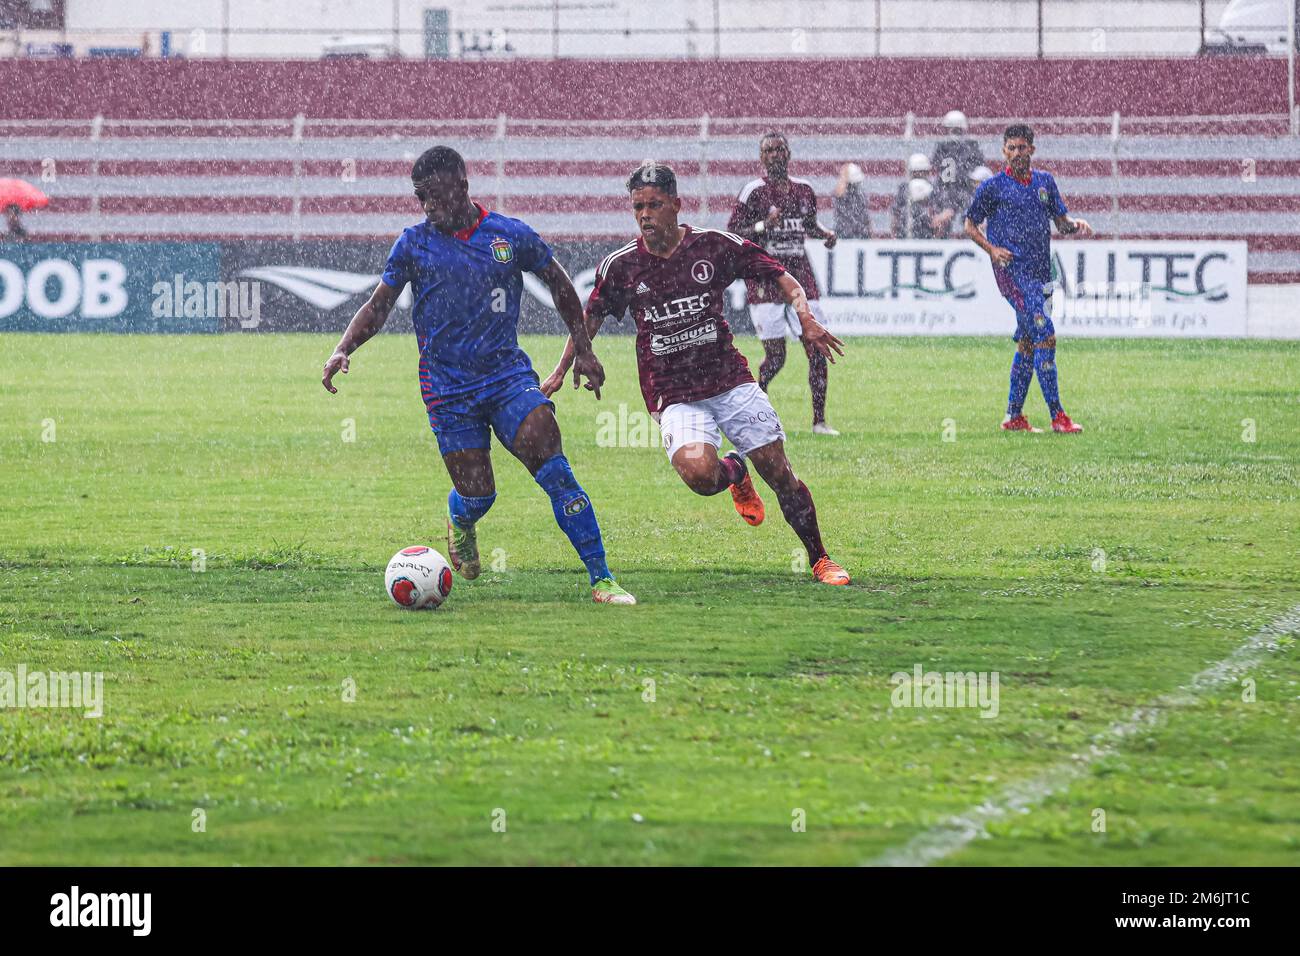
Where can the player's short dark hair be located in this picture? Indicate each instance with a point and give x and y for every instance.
(1019, 131)
(658, 175)
(774, 134)
(437, 159)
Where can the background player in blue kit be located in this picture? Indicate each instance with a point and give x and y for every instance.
(465, 266)
(1020, 206)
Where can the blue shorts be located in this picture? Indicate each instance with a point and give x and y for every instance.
(462, 421)
(1032, 301)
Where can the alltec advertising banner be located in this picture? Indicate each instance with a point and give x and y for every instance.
(868, 287)
(1125, 288)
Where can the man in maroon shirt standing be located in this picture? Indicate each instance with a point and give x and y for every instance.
(779, 212)
(695, 382)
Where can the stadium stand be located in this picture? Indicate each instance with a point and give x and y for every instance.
(189, 162)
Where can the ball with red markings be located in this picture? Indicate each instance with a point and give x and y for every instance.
(418, 578)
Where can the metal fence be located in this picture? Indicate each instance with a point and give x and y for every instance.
(714, 150)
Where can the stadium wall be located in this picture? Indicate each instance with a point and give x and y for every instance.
(563, 89)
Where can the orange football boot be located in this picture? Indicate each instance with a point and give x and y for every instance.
(828, 572)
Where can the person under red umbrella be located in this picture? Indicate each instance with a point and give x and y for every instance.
(16, 197)
(14, 221)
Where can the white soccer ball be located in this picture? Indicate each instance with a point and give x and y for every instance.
(418, 578)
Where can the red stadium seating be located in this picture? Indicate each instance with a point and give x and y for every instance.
(205, 154)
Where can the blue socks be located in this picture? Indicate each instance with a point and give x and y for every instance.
(1045, 368)
(574, 514)
(1023, 370)
(465, 510)
(572, 507)
(1022, 373)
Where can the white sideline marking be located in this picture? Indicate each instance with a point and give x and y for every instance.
(949, 837)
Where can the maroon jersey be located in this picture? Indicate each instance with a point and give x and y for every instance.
(684, 351)
(785, 243)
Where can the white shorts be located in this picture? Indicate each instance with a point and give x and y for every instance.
(776, 320)
(743, 414)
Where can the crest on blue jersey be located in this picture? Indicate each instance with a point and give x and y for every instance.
(1042, 195)
(502, 251)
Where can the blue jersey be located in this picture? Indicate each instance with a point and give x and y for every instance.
(1020, 219)
(466, 290)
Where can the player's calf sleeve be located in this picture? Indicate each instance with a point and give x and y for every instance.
(731, 471)
(465, 510)
(1045, 369)
(817, 384)
(574, 514)
(1022, 373)
(801, 515)
(773, 360)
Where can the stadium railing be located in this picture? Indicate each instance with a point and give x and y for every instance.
(295, 178)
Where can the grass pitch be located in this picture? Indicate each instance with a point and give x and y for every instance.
(1093, 573)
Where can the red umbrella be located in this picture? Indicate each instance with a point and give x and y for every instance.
(18, 192)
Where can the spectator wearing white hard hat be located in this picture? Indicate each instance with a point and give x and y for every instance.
(952, 199)
(913, 213)
(958, 154)
(852, 218)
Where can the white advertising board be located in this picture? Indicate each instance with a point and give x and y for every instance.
(1194, 289)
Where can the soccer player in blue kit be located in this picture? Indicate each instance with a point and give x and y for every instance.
(465, 266)
(1020, 206)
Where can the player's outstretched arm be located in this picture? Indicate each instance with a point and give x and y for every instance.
(815, 229)
(370, 318)
(555, 381)
(578, 349)
(814, 333)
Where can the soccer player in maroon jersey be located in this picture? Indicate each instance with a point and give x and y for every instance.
(778, 212)
(695, 382)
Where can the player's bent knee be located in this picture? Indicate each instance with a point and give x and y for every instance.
(699, 481)
(703, 488)
(1047, 343)
(697, 468)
